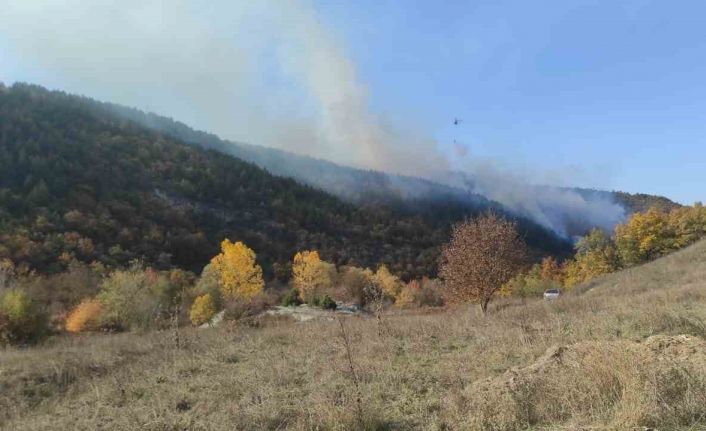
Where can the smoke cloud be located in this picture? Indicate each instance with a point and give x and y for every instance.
(568, 212)
(267, 72)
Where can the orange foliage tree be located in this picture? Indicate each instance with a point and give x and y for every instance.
(85, 316)
(483, 255)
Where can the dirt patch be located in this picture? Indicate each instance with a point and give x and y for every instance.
(305, 313)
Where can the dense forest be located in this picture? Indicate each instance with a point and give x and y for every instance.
(78, 182)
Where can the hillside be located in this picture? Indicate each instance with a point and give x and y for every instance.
(624, 352)
(431, 199)
(77, 181)
(633, 202)
(351, 184)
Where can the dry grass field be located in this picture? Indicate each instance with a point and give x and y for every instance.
(624, 352)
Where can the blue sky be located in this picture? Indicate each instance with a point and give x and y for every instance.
(612, 89)
(606, 94)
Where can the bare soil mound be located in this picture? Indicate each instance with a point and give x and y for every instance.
(660, 382)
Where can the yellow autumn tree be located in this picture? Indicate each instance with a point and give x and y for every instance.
(202, 310)
(387, 282)
(85, 316)
(645, 236)
(689, 224)
(310, 274)
(240, 277)
(407, 295)
(596, 255)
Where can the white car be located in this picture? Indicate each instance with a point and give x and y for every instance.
(550, 294)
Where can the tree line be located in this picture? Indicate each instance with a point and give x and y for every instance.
(643, 237)
(484, 258)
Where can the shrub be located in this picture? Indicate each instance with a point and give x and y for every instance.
(21, 321)
(247, 312)
(209, 283)
(135, 299)
(7, 271)
(532, 283)
(426, 293)
(388, 283)
(327, 303)
(5, 330)
(59, 293)
(85, 316)
(357, 283)
(203, 310)
(291, 298)
(430, 294)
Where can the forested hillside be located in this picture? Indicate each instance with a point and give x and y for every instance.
(77, 181)
(364, 186)
(351, 184)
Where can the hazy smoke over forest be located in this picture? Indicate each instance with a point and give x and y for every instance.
(265, 72)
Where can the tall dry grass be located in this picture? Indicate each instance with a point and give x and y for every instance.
(431, 370)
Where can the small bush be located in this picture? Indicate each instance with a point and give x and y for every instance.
(245, 310)
(62, 292)
(21, 321)
(85, 317)
(291, 298)
(137, 298)
(203, 310)
(420, 294)
(357, 284)
(5, 330)
(430, 294)
(209, 283)
(327, 303)
(408, 294)
(387, 282)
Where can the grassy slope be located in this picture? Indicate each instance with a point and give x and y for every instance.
(417, 372)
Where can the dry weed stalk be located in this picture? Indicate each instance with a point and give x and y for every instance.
(351, 370)
(376, 299)
(176, 311)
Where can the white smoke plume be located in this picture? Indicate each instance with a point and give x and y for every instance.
(267, 72)
(568, 212)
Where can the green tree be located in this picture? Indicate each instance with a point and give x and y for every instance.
(21, 319)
